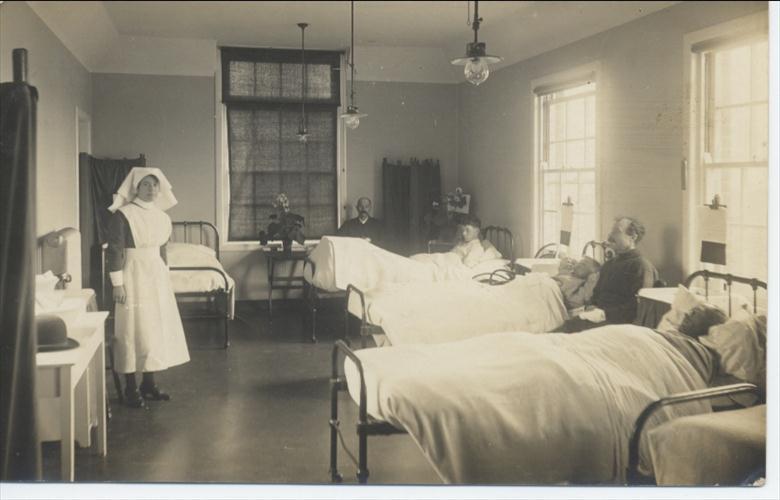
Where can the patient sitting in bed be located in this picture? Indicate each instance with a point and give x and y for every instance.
(471, 249)
(577, 280)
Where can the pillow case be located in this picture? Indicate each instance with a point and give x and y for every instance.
(491, 252)
(186, 249)
(740, 345)
(684, 301)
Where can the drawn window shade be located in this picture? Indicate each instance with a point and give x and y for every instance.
(733, 130)
(262, 95)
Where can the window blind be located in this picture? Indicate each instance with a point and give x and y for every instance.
(262, 95)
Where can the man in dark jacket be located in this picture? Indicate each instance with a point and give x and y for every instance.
(614, 297)
(363, 226)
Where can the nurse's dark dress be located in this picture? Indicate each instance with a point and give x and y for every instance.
(149, 336)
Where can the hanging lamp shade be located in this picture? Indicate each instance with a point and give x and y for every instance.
(353, 115)
(476, 63)
(303, 133)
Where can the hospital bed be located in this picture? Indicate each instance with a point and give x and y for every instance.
(196, 272)
(398, 390)
(527, 303)
(500, 237)
(733, 437)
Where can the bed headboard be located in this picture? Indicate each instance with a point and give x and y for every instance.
(60, 253)
(729, 281)
(599, 250)
(200, 232)
(502, 239)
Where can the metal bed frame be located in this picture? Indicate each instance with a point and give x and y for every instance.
(368, 426)
(550, 250)
(501, 238)
(632, 472)
(314, 296)
(203, 237)
(211, 296)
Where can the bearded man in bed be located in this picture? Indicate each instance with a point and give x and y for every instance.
(614, 296)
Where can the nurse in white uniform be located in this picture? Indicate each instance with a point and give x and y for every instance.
(149, 336)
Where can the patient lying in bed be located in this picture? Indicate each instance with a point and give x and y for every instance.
(577, 280)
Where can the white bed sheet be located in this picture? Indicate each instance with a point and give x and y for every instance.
(192, 255)
(342, 261)
(444, 311)
(527, 409)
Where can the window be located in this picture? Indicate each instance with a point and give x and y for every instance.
(733, 139)
(566, 169)
(261, 90)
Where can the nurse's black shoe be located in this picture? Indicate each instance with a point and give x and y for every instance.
(133, 399)
(154, 393)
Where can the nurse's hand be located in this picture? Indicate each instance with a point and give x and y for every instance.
(120, 295)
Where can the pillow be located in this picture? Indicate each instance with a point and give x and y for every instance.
(684, 301)
(491, 252)
(185, 249)
(740, 345)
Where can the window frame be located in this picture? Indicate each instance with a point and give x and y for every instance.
(222, 158)
(539, 88)
(693, 165)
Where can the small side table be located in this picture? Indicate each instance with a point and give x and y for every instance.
(652, 304)
(73, 378)
(272, 257)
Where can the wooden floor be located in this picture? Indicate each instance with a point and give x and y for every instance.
(255, 413)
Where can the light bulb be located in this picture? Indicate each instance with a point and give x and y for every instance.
(476, 70)
(352, 122)
(303, 136)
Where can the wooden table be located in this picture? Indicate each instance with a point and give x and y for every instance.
(652, 304)
(273, 256)
(72, 382)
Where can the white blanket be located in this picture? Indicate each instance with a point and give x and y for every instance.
(342, 261)
(191, 255)
(527, 409)
(428, 313)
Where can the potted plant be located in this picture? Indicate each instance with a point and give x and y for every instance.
(285, 225)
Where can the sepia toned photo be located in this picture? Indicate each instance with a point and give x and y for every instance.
(350, 249)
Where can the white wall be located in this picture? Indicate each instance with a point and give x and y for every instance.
(170, 119)
(404, 120)
(639, 126)
(63, 85)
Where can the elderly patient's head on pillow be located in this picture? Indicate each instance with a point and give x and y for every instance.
(697, 321)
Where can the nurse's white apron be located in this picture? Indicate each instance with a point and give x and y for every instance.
(148, 329)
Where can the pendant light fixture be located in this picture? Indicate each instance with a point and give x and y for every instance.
(303, 134)
(476, 61)
(353, 115)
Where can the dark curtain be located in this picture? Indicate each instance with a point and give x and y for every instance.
(99, 178)
(408, 192)
(425, 188)
(395, 212)
(21, 455)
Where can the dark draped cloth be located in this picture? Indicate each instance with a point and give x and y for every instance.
(395, 196)
(425, 189)
(408, 195)
(20, 458)
(99, 179)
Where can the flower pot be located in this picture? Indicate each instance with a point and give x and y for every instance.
(287, 245)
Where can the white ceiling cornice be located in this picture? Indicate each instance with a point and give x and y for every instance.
(395, 41)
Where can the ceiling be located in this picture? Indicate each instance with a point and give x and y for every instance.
(515, 30)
